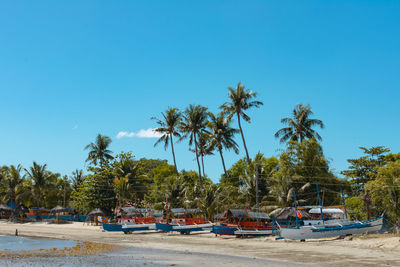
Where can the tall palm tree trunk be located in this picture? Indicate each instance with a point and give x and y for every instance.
(202, 164)
(223, 162)
(173, 153)
(197, 158)
(244, 142)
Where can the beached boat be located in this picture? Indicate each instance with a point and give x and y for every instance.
(244, 223)
(184, 222)
(135, 219)
(331, 228)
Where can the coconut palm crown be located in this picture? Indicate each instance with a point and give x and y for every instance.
(98, 152)
(193, 124)
(299, 126)
(240, 101)
(222, 135)
(168, 128)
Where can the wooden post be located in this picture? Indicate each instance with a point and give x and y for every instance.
(295, 207)
(135, 206)
(166, 207)
(367, 202)
(320, 204)
(115, 213)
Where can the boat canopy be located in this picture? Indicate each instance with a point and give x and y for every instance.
(258, 215)
(181, 211)
(327, 211)
(239, 213)
(132, 210)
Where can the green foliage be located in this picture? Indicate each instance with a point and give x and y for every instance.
(169, 128)
(240, 100)
(299, 126)
(356, 208)
(98, 151)
(364, 169)
(301, 165)
(385, 190)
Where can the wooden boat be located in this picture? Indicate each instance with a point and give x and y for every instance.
(324, 227)
(332, 228)
(136, 220)
(184, 222)
(244, 223)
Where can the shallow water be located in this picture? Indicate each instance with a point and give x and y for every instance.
(148, 257)
(18, 243)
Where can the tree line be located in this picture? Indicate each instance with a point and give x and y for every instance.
(371, 183)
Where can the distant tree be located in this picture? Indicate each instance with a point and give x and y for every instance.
(300, 167)
(222, 135)
(385, 191)
(98, 152)
(13, 184)
(169, 128)
(240, 101)
(77, 178)
(40, 179)
(299, 126)
(204, 149)
(364, 169)
(194, 123)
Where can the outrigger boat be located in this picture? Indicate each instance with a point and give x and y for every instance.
(184, 222)
(244, 223)
(134, 219)
(323, 228)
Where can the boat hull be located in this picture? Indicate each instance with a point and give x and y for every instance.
(138, 227)
(241, 232)
(183, 228)
(112, 227)
(224, 230)
(312, 232)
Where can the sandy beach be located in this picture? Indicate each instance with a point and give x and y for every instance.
(163, 249)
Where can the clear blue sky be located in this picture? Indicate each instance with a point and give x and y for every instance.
(72, 69)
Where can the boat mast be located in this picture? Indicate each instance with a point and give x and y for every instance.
(166, 207)
(344, 202)
(295, 207)
(320, 204)
(135, 205)
(184, 209)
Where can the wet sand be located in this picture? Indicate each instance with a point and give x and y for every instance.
(163, 249)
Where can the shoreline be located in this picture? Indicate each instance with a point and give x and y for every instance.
(371, 250)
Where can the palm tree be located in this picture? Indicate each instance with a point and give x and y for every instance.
(98, 151)
(168, 128)
(300, 126)
(122, 189)
(193, 124)
(221, 135)
(77, 178)
(13, 184)
(240, 101)
(40, 180)
(204, 148)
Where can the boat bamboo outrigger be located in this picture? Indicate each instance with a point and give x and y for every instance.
(184, 221)
(241, 222)
(329, 227)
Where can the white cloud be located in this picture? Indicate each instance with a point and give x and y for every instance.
(75, 127)
(143, 133)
